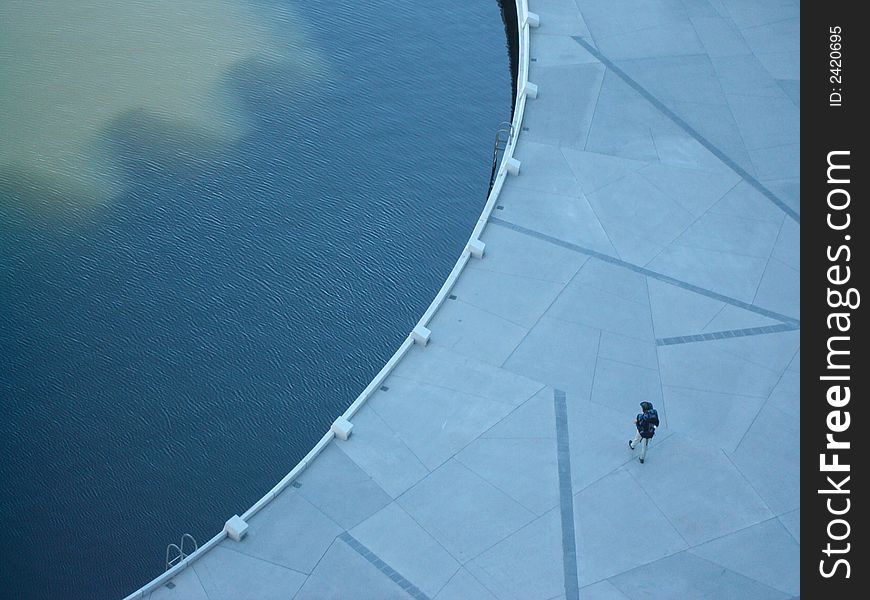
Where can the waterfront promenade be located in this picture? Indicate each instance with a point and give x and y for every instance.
(647, 249)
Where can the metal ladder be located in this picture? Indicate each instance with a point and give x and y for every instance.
(503, 136)
(178, 551)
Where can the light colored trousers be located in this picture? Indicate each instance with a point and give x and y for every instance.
(637, 440)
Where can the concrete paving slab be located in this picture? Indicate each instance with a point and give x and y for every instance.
(788, 189)
(765, 552)
(781, 65)
(677, 312)
(544, 169)
(614, 279)
(523, 468)
(528, 564)
(628, 350)
(598, 436)
(401, 543)
(621, 386)
(700, 491)
(787, 249)
(792, 88)
(610, 516)
(734, 317)
(450, 371)
(633, 248)
(745, 75)
(186, 585)
(591, 306)
(747, 13)
(289, 517)
(560, 353)
(380, 452)
(565, 89)
(690, 577)
(792, 522)
(725, 273)
(677, 148)
(776, 125)
(560, 17)
(719, 36)
(786, 395)
(745, 201)
(434, 422)
(693, 189)
(579, 223)
(514, 298)
(343, 573)
(608, 18)
(706, 366)
(773, 351)
(795, 364)
(673, 39)
(715, 124)
(593, 170)
(603, 590)
(340, 489)
(228, 575)
(774, 435)
(690, 414)
(715, 499)
(774, 36)
(641, 211)
(618, 98)
(737, 236)
(462, 586)
(533, 419)
(559, 49)
(465, 513)
(616, 134)
(665, 77)
(704, 8)
(776, 162)
(513, 253)
(474, 332)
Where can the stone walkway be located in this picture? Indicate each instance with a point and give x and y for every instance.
(648, 250)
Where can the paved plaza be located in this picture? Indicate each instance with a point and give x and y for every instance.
(647, 250)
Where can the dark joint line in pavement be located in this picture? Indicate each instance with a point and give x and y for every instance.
(689, 129)
(566, 497)
(722, 335)
(383, 567)
(643, 271)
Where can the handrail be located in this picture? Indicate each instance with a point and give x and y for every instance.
(464, 257)
(180, 554)
(504, 129)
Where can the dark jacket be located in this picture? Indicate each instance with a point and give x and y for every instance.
(647, 423)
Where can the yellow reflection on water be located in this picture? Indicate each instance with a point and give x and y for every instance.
(70, 69)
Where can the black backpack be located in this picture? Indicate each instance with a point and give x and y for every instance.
(651, 420)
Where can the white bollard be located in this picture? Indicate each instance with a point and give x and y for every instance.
(341, 428)
(476, 248)
(513, 166)
(530, 89)
(236, 528)
(420, 335)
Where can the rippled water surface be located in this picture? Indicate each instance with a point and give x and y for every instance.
(218, 219)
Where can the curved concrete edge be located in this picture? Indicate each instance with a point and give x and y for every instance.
(509, 165)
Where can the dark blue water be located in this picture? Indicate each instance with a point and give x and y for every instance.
(163, 365)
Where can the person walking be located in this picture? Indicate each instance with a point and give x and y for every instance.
(646, 423)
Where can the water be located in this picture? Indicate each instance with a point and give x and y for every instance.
(218, 219)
